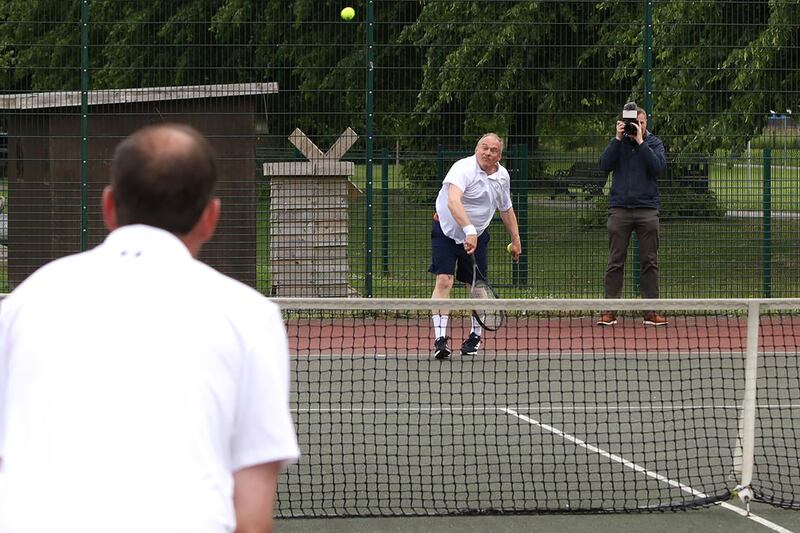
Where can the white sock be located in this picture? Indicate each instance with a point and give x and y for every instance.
(476, 327)
(439, 326)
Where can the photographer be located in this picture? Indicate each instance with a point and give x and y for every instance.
(636, 158)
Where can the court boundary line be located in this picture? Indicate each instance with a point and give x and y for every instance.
(637, 468)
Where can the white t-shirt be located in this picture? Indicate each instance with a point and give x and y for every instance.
(483, 196)
(134, 380)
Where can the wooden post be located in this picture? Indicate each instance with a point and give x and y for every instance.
(309, 219)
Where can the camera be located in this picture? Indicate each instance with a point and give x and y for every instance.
(630, 117)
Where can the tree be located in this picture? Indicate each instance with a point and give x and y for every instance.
(38, 40)
(547, 74)
(526, 70)
(718, 67)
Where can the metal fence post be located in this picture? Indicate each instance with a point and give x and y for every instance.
(439, 163)
(648, 57)
(513, 170)
(370, 34)
(385, 212)
(647, 70)
(521, 203)
(766, 214)
(84, 125)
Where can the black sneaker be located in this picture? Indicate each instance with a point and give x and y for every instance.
(440, 348)
(471, 345)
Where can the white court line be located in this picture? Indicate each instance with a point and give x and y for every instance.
(641, 469)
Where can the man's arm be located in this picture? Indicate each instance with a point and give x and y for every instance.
(254, 491)
(456, 207)
(263, 438)
(655, 158)
(510, 220)
(4, 334)
(611, 154)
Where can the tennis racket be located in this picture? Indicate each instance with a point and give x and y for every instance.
(490, 319)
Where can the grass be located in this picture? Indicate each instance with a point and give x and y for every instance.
(698, 258)
(739, 183)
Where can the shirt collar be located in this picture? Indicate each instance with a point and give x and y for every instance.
(494, 177)
(140, 239)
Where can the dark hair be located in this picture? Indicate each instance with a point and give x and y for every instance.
(163, 176)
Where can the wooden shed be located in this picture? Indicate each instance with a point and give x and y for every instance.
(44, 166)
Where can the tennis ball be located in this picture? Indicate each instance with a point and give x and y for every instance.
(348, 13)
(508, 248)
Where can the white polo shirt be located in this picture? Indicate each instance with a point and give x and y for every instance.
(483, 196)
(134, 380)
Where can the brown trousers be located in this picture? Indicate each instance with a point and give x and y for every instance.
(621, 223)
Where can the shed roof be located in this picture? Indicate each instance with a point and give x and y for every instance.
(44, 100)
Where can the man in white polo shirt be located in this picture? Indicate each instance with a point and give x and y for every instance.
(140, 389)
(473, 190)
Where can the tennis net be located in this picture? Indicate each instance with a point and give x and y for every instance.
(554, 413)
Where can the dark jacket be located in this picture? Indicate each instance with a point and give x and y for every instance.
(636, 169)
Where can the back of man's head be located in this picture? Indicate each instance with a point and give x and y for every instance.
(163, 176)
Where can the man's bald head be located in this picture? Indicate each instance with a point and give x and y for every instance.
(163, 176)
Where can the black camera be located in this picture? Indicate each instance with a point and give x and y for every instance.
(630, 116)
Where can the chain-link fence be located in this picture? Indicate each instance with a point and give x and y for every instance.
(418, 83)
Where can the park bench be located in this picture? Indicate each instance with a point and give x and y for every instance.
(584, 175)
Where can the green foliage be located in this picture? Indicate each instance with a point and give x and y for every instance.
(777, 140)
(421, 177)
(38, 43)
(552, 75)
(488, 73)
(595, 217)
(720, 83)
(682, 202)
(676, 203)
(505, 76)
(549, 74)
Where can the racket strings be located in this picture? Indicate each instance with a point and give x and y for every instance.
(490, 319)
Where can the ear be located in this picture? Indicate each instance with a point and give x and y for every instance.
(109, 209)
(203, 229)
(207, 224)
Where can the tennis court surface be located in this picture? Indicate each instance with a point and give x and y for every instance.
(555, 414)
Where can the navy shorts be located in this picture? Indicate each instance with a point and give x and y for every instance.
(449, 257)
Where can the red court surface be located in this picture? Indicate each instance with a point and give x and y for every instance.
(530, 335)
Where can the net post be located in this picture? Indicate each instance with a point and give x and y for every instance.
(746, 444)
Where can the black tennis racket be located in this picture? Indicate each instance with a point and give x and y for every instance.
(490, 319)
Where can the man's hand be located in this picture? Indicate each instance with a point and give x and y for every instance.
(471, 243)
(620, 130)
(515, 251)
(639, 134)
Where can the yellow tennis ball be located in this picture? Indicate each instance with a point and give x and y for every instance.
(348, 13)
(508, 248)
